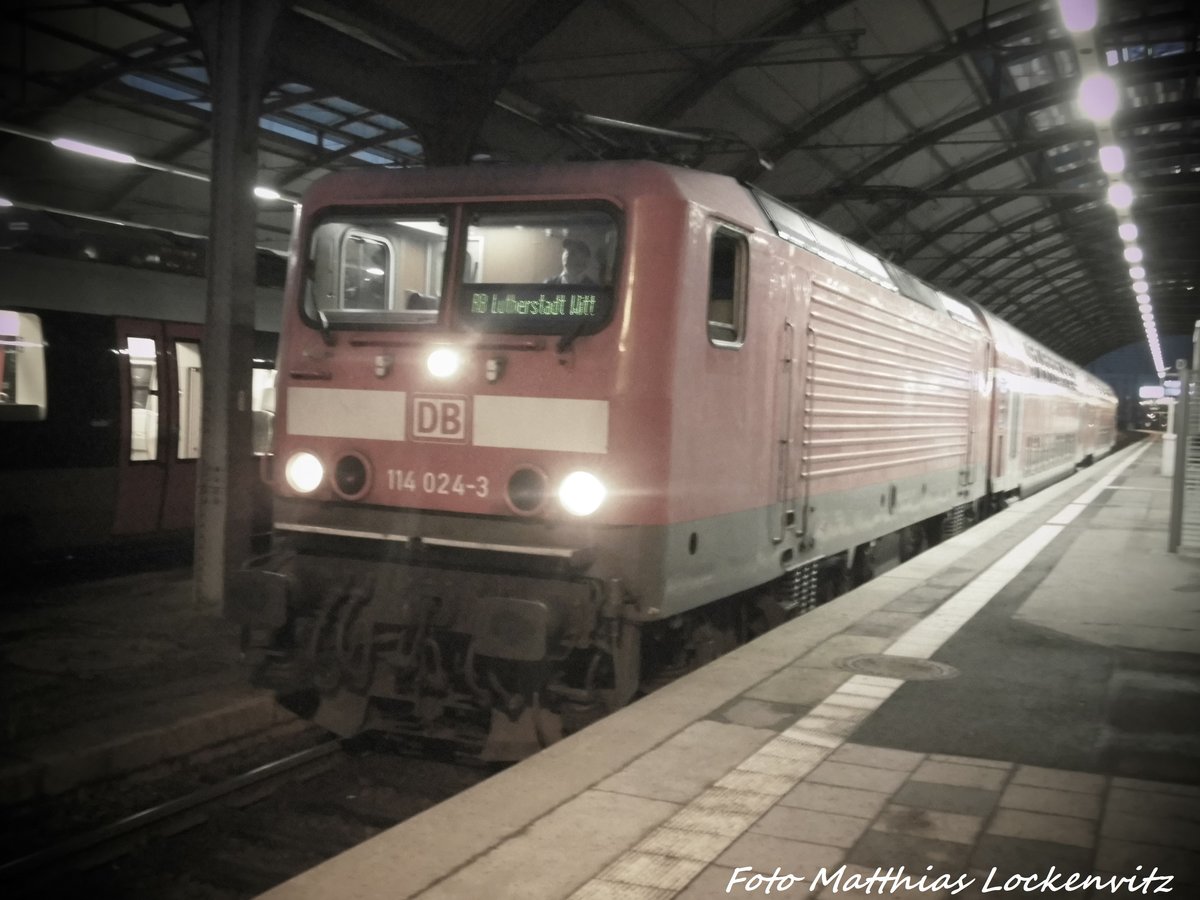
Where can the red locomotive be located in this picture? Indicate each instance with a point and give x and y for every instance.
(534, 420)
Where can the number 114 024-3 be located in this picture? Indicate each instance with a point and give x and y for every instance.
(436, 482)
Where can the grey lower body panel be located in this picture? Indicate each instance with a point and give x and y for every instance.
(662, 569)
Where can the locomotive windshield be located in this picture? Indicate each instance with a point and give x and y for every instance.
(543, 271)
(378, 270)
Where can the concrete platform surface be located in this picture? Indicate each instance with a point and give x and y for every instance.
(1012, 713)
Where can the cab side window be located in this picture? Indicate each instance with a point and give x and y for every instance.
(728, 265)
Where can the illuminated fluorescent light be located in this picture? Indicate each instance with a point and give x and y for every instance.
(1140, 287)
(1099, 97)
(1120, 195)
(1137, 273)
(1143, 299)
(1133, 255)
(1078, 15)
(93, 150)
(1112, 159)
(266, 193)
(4, 201)
(1128, 231)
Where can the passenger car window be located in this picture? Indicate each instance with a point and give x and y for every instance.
(22, 367)
(143, 398)
(190, 382)
(727, 288)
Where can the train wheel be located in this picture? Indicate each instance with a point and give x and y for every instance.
(710, 640)
(913, 540)
(833, 580)
(863, 568)
(511, 739)
(934, 529)
(339, 648)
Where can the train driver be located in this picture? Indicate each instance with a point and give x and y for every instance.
(576, 258)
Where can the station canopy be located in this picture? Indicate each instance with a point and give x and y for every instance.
(945, 135)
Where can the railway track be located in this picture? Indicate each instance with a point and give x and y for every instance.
(239, 837)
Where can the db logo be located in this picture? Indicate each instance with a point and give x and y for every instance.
(437, 417)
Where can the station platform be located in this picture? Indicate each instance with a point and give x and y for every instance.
(118, 677)
(1006, 715)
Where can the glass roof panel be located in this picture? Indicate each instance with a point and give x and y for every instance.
(344, 106)
(373, 158)
(194, 73)
(387, 123)
(361, 129)
(315, 113)
(288, 129)
(160, 87)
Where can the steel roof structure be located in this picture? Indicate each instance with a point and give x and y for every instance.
(942, 134)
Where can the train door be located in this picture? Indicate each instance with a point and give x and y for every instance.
(1016, 434)
(159, 375)
(980, 453)
(1000, 417)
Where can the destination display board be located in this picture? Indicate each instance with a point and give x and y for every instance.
(536, 308)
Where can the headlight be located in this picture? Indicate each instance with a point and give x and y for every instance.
(443, 362)
(304, 473)
(581, 493)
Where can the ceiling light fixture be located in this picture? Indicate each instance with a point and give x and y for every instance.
(1099, 97)
(92, 150)
(1078, 15)
(1112, 159)
(1120, 195)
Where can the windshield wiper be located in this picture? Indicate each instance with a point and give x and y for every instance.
(326, 332)
(565, 342)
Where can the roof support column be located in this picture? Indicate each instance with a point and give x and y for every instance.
(235, 36)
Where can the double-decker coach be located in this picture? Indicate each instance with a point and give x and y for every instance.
(101, 379)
